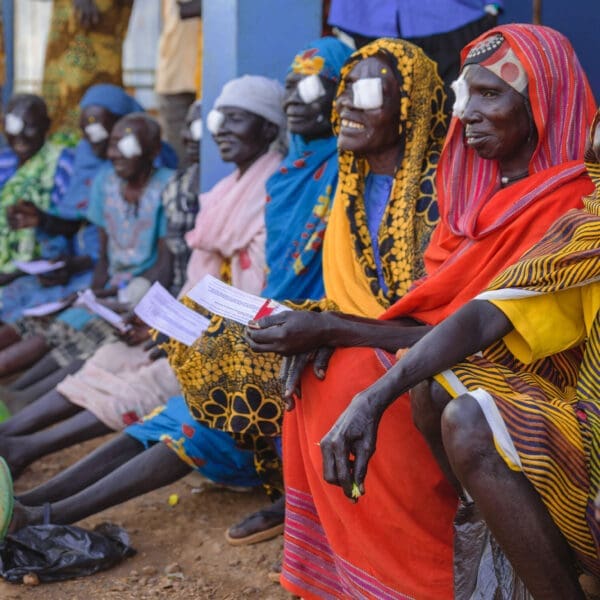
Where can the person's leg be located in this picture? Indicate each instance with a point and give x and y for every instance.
(41, 369)
(85, 472)
(427, 402)
(258, 526)
(17, 400)
(20, 451)
(49, 409)
(509, 504)
(8, 336)
(22, 354)
(267, 522)
(154, 468)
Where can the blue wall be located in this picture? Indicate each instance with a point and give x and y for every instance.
(9, 31)
(579, 20)
(255, 37)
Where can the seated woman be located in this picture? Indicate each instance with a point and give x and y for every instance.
(101, 107)
(300, 193)
(521, 432)
(380, 223)
(180, 197)
(134, 463)
(509, 168)
(33, 169)
(125, 206)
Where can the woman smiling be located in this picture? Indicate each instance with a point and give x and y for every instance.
(397, 541)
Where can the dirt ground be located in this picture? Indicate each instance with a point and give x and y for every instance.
(186, 540)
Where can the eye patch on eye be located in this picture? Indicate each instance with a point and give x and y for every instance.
(461, 92)
(368, 93)
(13, 124)
(196, 129)
(129, 146)
(310, 89)
(96, 132)
(214, 121)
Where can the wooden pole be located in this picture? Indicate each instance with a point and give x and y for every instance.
(537, 12)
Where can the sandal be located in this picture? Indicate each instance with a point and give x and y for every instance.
(259, 526)
(7, 499)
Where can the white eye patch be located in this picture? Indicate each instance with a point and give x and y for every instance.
(196, 129)
(96, 132)
(13, 124)
(129, 146)
(367, 93)
(310, 89)
(461, 92)
(214, 121)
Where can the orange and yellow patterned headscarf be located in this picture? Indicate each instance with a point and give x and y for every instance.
(350, 271)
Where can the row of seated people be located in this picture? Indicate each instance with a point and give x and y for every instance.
(422, 223)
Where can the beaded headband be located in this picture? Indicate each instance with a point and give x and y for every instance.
(497, 56)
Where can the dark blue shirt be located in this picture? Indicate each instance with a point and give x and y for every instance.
(405, 18)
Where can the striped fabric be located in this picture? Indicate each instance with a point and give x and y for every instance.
(311, 564)
(551, 407)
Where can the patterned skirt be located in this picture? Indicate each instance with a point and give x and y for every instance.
(229, 387)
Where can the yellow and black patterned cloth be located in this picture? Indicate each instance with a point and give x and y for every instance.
(350, 271)
(225, 384)
(551, 406)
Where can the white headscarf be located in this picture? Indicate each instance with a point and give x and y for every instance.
(256, 94)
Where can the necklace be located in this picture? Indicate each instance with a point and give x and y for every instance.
(507, 180)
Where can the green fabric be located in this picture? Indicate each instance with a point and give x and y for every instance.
(4, 412)
(32, 182)
(6, 498)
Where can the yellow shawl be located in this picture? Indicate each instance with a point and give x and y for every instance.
(349, 264)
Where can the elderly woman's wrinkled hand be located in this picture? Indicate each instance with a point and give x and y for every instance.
(23, 215)
(292, 368)
(349, 445)
(287, 333)
(137, 332)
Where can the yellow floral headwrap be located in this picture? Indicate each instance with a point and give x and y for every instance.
(350, 270)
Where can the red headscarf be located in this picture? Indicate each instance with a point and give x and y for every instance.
(484, 228)
(562, 105)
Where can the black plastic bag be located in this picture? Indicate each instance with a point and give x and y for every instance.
(58, 552)
(481, 569)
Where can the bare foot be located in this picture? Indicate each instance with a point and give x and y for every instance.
(25, 515)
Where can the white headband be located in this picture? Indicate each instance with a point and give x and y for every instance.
(96, 132)
(129, 146)
(368, 93)
(461, 92)
(310, 89)
(196, 129)
(13, 124)
(214, 121)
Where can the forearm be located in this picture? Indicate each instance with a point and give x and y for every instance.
(162, 269)
(190, 10)
(54, 225)
(80, 263)
(473, 328)
(100, 276)
(342, 330)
